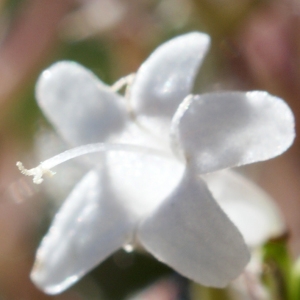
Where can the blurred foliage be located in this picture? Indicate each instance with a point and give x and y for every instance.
(93, 54)
(123, 274)
(281, 273)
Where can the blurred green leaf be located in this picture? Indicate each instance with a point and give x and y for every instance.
(277, 269)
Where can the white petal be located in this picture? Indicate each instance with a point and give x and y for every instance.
(221, 130)
(89, 227)
(143, 180)
(191, 233)
(167, 76)
(248, 206)
(80, 106)
(133, 134)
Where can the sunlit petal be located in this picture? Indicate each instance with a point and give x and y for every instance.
(80, 106)
(89, 227)
(143, 180)
(167, 77)
(221, 130)
(191, 233)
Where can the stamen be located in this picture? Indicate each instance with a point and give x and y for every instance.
(124, 81)
(46, 166)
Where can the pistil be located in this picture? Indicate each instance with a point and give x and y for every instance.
(46, 166)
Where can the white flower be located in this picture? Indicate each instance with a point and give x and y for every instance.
(145, 187)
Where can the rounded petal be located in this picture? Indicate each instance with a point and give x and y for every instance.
(221, 130)
(167, 76)
(90, 226)
(248, 206)
(79, 106)
(191, 233)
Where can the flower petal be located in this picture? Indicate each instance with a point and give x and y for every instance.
(167, 76)
(191, 233)
(143, 180)
(222, 130)
(247, 206)
(80, 106)
(89, 227)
